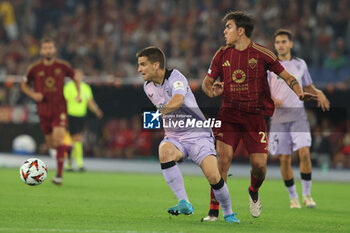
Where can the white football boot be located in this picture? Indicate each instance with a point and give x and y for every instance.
(294, 203)
(308, 201)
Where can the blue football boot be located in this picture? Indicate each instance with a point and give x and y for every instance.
(183, 207)
(231, 218)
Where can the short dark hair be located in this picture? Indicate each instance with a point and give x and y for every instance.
(153, 54)
(282, 31)
(241, 20)
(46, 40)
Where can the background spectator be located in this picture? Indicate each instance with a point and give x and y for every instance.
(102, 36)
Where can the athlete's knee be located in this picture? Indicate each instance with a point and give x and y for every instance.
(165, 157)
(259, 165)
(210, 169)
(54, 142)
(57, 141)
(285, 160)
(213, 177)
(51, 144)
(304, 155)
(166, 153)
(258, 172)
(225, 158)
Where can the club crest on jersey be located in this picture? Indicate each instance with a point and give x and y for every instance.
(252, 63)
(238, 76)
(50, 82)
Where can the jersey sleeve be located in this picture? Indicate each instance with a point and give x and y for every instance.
(178, 84)
(69, 70)
(145, 90)
(215, 65)
(273, 63)
(29, 76)
(306, 79)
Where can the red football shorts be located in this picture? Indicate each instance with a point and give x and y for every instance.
(252, 131)
(48, 122)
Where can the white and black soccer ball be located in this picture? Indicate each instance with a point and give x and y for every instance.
(33, 171)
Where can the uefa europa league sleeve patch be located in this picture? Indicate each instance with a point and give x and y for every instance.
(178, 85)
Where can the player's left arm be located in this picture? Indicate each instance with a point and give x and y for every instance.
(174, 104)
(322, 100)
(179, 86)
(293, 83)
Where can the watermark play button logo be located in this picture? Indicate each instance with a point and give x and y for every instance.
(151, 120)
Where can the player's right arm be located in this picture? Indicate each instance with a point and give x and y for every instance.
(210, 86)
(37, 96)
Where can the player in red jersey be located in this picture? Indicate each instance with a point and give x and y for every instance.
(47, 76)
(238, 73)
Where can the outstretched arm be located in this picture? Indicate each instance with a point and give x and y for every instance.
(174, 104)
(295, 86)
(322, 100)
(212, 88)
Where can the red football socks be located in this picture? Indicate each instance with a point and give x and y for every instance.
(214, 204)
(60, 159)
(255, 183)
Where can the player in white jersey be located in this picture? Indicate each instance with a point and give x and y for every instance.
(169, 91)
(290, 129)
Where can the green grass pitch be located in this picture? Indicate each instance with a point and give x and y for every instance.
(114, 202)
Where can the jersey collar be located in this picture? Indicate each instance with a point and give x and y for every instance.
(166, 75)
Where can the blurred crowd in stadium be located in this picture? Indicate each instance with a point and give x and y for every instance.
(102, 37)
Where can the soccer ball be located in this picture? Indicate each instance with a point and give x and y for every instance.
(33, 171)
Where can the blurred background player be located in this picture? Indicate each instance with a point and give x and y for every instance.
(8, 19)
(290, 129)
(169, 91)
(241, 66)
(47, 76)
(77, 111)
